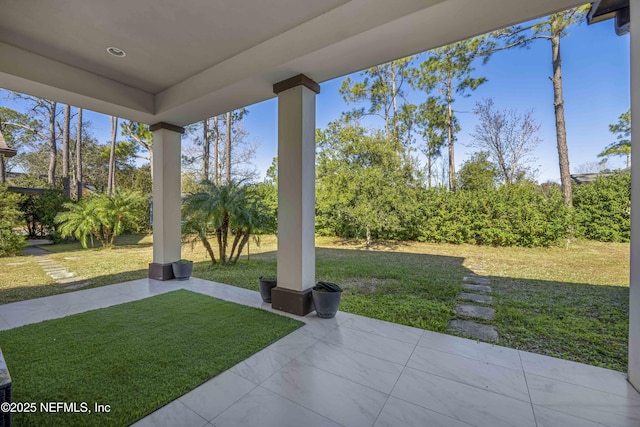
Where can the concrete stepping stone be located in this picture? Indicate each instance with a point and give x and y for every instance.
(477, 280)
(478, 312)
(476, 330)
(75, 286)
(486, 299)
(61, 275)
(478, 288)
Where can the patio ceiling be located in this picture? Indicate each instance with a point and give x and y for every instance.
(190, 59)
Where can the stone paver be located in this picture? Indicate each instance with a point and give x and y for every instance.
(477, 280)
(486, 299)
(477, 288)
(475, 311)
(51, 267)
(476, 330)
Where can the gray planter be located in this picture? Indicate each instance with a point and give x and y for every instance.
(182, 270)
(326, 303)
(265, 288)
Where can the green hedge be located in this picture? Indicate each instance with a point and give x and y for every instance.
(515, 215)
(603, 209)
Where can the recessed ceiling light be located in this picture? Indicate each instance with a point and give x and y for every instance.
(115, 51)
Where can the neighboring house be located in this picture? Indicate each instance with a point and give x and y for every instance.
(588, 178)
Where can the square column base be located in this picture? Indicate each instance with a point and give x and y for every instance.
(159, 271)
(290, 301)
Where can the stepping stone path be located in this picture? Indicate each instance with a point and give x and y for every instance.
(52, 268)
(477, 287)
(480, 331)
(476, 311)
(477, 280)
(483, 299)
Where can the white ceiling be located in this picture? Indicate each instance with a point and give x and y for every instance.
(191, 59)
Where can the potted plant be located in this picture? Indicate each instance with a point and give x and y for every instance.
(182, 269)
(326, 299)
(267, 283)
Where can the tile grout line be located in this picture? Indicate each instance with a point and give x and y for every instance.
(289, 400)
(228, 406)
(406, 401)
(524, 374)
(382, 336)
(397, 380)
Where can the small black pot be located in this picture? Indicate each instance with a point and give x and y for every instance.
(182, 271)
(265, 288)
(326, 303)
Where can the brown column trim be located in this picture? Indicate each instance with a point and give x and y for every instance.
(167, 126)
(295, 302)
(160, 271)
(294, 81)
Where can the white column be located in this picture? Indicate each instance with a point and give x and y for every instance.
(296, 182)
(166, 198)
(634, 283)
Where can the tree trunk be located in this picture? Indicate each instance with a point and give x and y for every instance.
(243, 242)
(368, 235)
(66, 148)
(78, 168)
(111, 185)
(394, 99)
(236, 240)
(561, 132)
(216, 152)
(207, 246)
(53, 149)
(3, 171)
(429, 166)
(225, 236)
(205, 150)
(452, 164)
(228, 149)
(220, 248)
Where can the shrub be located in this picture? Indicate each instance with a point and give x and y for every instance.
(603, 209)
(513, 215)
(40, 211)
(11, 217)
(101, 216)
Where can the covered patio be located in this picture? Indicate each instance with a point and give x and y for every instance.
(357, 371)
(170, 64)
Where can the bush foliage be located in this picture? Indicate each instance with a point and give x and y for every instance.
(11, 218)
(603, 209)
(102, 217)
(512, 215)
(40, 211)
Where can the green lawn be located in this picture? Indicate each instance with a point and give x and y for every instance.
(134, 357)
(569, 302)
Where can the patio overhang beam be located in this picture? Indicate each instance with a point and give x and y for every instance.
(602, 10)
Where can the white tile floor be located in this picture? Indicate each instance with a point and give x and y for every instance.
(355, 371)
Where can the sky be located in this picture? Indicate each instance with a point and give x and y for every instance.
(595, 66)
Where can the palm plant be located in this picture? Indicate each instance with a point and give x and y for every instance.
(223, 210)
(80, 220)
(101, 216)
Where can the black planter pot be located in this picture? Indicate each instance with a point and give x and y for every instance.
(326, 303)
(265, 288)
(182, 271)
